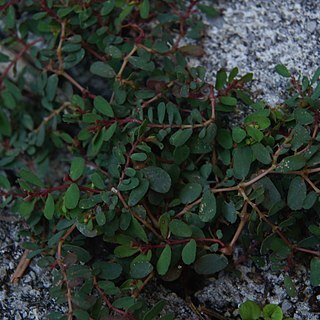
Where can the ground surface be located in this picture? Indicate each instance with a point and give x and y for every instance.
(254, 35)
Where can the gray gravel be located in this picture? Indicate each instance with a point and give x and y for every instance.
(29, 298)
(255, 35)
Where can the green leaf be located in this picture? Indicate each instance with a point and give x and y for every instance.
(124, 302)
(139, 156)
(190, 192)
(303, 116)
(77, 168)
(210, 263)
(142, 63)
(108, 134)
(291, 163)
(164, 224)
(180, 137)
(272, 312)
(128, 184)
(102, 69)
(140, 269)
(97, 181)
(125, 251)
(108, 270)
(242, 159)
(316, 76)
(297, 193)
(315, 271)
(250, 310)
(107, 7)
(26, 207)
(137, 230)
(238, 134)
(224, 138)
(138, 193)
(144, 9)
(5, 126)
(49, 207)
(52, 86)
(228, 101)
(160, 181)
(156, 309)
(4, 182)
(261, 153)
(290, 287)
(100, 216)
(161, 110)
(221, 79)
(255, 133)
(103, 106)
(316, 92)
(81, 314)
(189, 252)
(72, 196)
(210, 11)
(180, 228)
(282, 70)
(30, 177)
(208, 206)
(164, 260)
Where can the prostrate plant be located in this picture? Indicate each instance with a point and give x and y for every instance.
(156, 177)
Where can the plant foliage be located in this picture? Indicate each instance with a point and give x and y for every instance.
(107, 133)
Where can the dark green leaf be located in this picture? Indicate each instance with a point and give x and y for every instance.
(156, 309)
(221, 79)
(297, 193)
(190, 192)
(210, 11)
(315, 271)
(189, 252)
(72, 196)
(208, 206)
(210, 263)
(108, 270)
(125, 251)
(180, 228)
(30, 177)
(159, 179)
(108, 134)
(282, 70)
(291, 163)
(228, 101)
(290, 287)
(103, 106)
(261, 153)
(138, 193)
(238, 134)
(144, 9)
(180, 137)
(77, 168)
(5, 126)
(52, 86)
(140, 269)
(242, 159)
(49, 207)
(164, 260)
(102, 69)
(139, 156)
